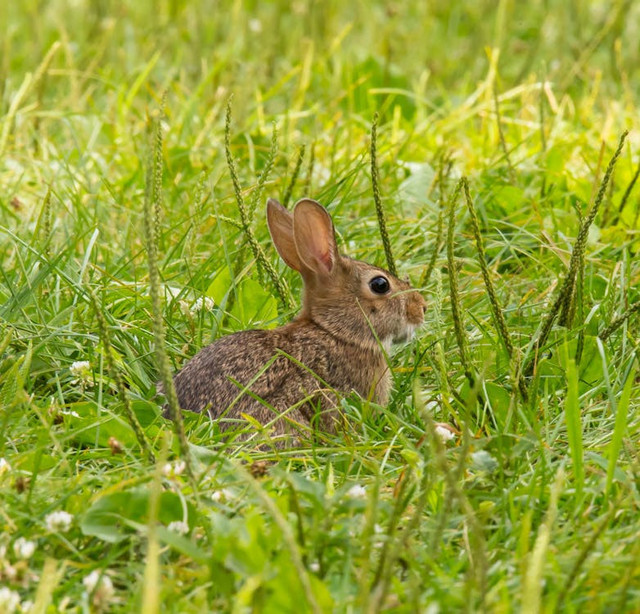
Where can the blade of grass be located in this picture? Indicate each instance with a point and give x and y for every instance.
(572, 418)
(621, 412)
(531, 601)
(151, 588)
(49, 580)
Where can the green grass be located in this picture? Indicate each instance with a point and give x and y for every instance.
(534, 506)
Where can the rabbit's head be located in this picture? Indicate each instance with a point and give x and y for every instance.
(355, 301)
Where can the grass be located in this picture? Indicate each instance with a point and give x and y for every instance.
(533, 506)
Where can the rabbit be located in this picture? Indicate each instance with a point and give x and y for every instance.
(288, 377)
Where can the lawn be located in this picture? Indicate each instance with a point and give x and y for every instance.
(139, 142)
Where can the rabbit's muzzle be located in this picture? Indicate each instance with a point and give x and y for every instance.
(416, 309)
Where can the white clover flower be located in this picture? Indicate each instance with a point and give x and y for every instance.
(179, 527)
(58, 521)
(202, 303)
(4, 466)
(171, 470)
(91, 580)
(357, 492)
(226, 494)
(23, 548)
(26, 606)
(80, 368)
(444, 433)
(9, 600)
(81, 371)
(314, 566)
(101, 586)
(255, 25)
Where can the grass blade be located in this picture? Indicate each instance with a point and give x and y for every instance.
(531, 602)
(622, 412)
(572, 418)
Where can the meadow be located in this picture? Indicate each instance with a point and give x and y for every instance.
(495, 144)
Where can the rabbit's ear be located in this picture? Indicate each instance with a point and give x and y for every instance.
(314, 236)
(280, 222)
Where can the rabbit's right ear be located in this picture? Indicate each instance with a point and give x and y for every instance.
(280, 223)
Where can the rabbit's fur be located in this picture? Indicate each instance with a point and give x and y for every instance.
(287, 376)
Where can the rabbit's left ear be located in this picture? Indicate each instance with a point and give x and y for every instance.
(280, 223)
(314, 237)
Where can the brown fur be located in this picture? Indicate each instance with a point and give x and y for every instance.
(294, 370)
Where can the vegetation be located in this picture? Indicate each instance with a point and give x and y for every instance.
(132, 233)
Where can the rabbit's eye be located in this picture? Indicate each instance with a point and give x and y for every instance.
(379, 285)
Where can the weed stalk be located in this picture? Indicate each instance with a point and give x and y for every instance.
(266, 171)
(45, 223)
(278, 283)
(310, 168)
(294, 177)
(564, 298)
(377, 199)
(501, 324)
(498, 315)
(456, 308)
(619, 321)
(567, 292)
(152, 206)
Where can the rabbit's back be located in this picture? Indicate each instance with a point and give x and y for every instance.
(279, 369)
(207, 380)
(257, 373)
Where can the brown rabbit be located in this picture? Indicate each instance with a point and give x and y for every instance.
(287, 377)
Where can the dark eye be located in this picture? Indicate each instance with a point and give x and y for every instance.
(379, 285)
